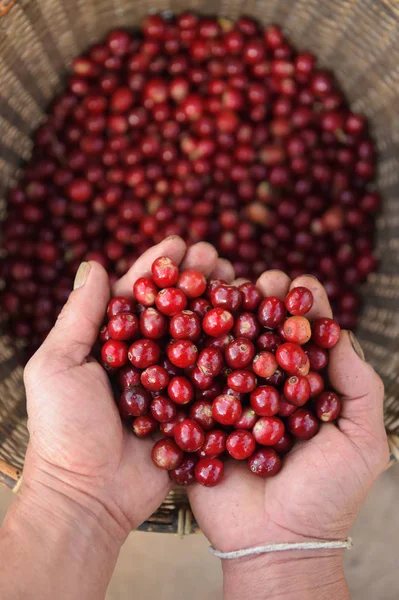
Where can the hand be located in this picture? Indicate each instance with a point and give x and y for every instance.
(323, 482)
(78, 446)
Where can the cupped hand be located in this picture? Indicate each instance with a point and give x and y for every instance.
(78, 445)
(323, 482)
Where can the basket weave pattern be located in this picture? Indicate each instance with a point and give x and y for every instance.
(357, 39)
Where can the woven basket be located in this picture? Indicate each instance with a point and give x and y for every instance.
(358, 39)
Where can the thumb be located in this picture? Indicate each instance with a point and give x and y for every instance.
(362, 418)
(77, 326)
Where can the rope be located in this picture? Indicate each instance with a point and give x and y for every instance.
(325, 545)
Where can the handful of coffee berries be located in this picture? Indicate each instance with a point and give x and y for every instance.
(217, 370)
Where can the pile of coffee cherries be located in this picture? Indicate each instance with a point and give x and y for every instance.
(201, 127)
(218, 370)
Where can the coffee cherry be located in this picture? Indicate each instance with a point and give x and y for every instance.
(189, 435)
(185, 325)
(268, 430)
(184, 474)
(299, 301)
(265, 364)
(226, 409)
(303, 424)
(123, 326)
(145, 291)
(328, 406)
(192, 283)
(292, 359)
(217, 322)
(284, 444)
(316, 383)
(201, 412)
(297, 390)
(265, 463)
(180, 390)
(162, 409)
(164, 272)
(209, 471)
(210, 361)
(153, 324)
(214, 444)
(144, 353)
(271, 312)
(228, 297)
(170, 301)
(182, 353)
(166, 454)
(297, 329)
(155, 378)
(325, 332)
(118, 305)
(144, 426)
(240, 444)
(239, 353)
(134, 402)
(265, 400)
(114, 353)
(128, 376)
(242, 381)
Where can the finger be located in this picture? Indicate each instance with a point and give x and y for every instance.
(173, 247)
(321, 305)
(240, 281)
(362, 392)
(274, 283)
(201, 256)
(223, 270)
(78, 324)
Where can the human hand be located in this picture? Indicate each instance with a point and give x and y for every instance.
(78, 445)
(324, 481)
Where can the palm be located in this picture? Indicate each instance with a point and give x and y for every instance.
(306, 499)
(82, 434)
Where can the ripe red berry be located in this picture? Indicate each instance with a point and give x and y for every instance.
(318, 357)
(128, 375)
(167, 429)
(239, 353)
(210, 361)
(185, 325)
(214, 444)
(246, 325)
(182, 353)
(286, 408)
(271, 312)
(192, 283)
(189, 435)
(145, 291)
(328, 406)
(170, 301)
(265, 364)
(144, 353)
(166, 454)
(325, 332)
(268, 341)
(303, 424)
(265, 463)
(299, 301)
(240, 444)
(242, 381)
(292, 359)
(247, 420)
(201, 412)
(265, 400)
(226, 409)
(284, 444)
(200, 306)
(184, 474)
(251, 296)
(164, 272)
(153, 325)
(144, 426)
(118, 305)
(267, 431)
(316, 383)
(297, 329)
(297, 390)
(162, 409)
(114, 354)
(217, 322)
(180, 390)
(225, 296)
(134, 402)
(155, 378)
(209, 471)
(123, 326)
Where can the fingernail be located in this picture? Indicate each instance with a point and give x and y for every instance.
(356, 346)
(81, 275)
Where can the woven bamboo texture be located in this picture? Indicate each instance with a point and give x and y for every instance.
(358, 39)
